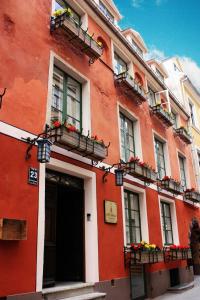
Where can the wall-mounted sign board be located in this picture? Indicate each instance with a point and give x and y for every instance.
(33, 176)
(110, 212)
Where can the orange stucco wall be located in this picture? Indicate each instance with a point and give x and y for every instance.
(25, 52)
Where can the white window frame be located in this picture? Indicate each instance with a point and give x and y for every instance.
(76, 6)
(166, 152)
(143, 210)
(173, 219)
(186, 167)
(124, 57)
(67, 68)
(136, 129)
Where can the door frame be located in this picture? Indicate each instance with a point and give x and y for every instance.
(91, 229)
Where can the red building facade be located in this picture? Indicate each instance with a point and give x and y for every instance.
(55, 71)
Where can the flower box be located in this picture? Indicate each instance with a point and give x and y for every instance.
(130, 88)
(76, 35)
(163, 115)
(141, 171)
(184, 135)
(139, 256)
(146, 257)
(80, 144)
(171, 185)
(177, 254)
(192, 196)
(13, 230)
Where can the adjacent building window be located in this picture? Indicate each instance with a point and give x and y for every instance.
(152, 98)
(166, 223)
(106, 12)
(198, 158)
(119, 64)
(191, 106)
(60, 4)
(132, 217)
(182, 170)
(137, 48)
(66, 99)
(160, 158)
(127, 138)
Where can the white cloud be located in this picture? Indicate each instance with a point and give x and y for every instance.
(155, 53)
(159, 2)
(137, 3)
(192, 70)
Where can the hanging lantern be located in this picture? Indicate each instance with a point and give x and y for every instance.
(119, 177)
(44, 150)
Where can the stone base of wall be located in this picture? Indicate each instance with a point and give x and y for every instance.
(158, 282)
(117, 289)
(29, 296)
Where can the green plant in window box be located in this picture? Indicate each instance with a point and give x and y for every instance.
(60, 12)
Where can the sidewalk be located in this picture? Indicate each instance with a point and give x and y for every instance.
(192, 294)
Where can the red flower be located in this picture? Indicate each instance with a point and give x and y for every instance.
(134, 159)
(166, 178)
(71, 128)
(56, 124)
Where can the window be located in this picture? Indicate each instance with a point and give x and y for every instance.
(66, 99)
(152, 98)
(137, 48)
(127, 138)
(132, 217)
(160, 76)
(166, 223)
(119, 65)
(198, 158)
(191, 106)
(174, 118)
(182, 170)
(106, 12)
(176, 68)
(160, 158)
(60, 4)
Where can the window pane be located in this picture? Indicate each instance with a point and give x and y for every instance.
(127, 138)
(169, 237)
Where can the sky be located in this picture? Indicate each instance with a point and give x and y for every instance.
(168, 27)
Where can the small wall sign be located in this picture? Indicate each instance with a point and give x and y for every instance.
(110, 212)
(33, 176)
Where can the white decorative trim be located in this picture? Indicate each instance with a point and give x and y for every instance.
(91, 229)
(173, 218)
(143, 210)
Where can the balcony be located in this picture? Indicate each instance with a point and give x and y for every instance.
(141, 171)
(77, 36)
(171, 185)
(184, 135)
(192, 195)
(130, 88)
(162, 114)
(71, 139)
(139, 256)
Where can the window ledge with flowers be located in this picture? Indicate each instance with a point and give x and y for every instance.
(171, 185)
(130, 87)
(142, 253)
(78, 37)
(192, 195)
(141, 170)
(176, 252)
(184, 135)
(70, 138)
(162, 114)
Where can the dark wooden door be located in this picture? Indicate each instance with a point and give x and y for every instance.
(64, 229)
(49, 272)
